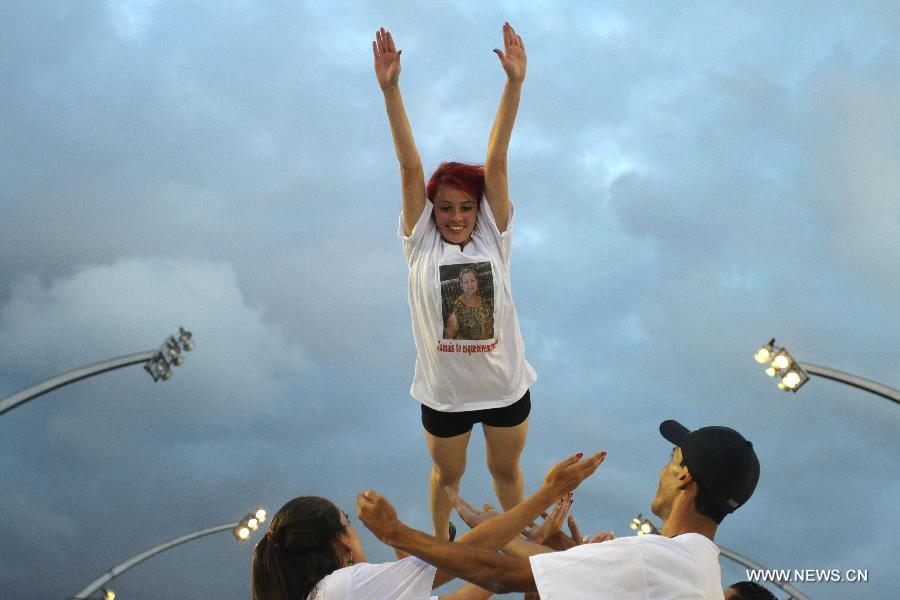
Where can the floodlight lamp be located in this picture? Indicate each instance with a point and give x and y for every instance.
(770, 371)
(108, 594)
(185, 337)
(242, 533)
(782, 361)
(178, 360)
(252, 523)
(167, 375)
(781, 386)
(763, 355)
(260, 515)
(791, 380)
(643, 526)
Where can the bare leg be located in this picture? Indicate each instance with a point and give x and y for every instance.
(504, 447)
(448, 463)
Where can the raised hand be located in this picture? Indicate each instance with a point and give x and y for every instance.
(566, 475)
(376, 513)
(512, 58)
(575, 538)
(603, 536)
(548, 533)
(387, 59)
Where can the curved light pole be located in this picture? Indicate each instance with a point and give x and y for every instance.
(647, 527)
(158, 363)
(242, 530)
(792, 374)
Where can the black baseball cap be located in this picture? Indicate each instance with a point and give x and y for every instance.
(720, 460)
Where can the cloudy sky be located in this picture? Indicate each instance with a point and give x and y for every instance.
(690, 180)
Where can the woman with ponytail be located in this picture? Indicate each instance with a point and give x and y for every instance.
(312, 552)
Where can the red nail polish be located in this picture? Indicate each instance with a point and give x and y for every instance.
(579, 455)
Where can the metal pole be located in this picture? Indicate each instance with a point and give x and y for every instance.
(139, 558)
(857, 382)
(51, 384)
(794, 592)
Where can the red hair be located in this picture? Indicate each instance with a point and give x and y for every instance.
(466, 177)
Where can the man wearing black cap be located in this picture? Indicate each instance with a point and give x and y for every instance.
(712, 472)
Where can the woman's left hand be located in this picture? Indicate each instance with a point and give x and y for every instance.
(512, 58)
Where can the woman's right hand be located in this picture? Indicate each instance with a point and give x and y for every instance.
(387, 59)
(566, 475)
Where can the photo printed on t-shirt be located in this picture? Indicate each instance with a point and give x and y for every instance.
(467, 301)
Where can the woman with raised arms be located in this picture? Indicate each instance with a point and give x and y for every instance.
(461, 222)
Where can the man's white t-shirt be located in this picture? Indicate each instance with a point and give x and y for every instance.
(643, 567)
(407, 579)
(455, 375)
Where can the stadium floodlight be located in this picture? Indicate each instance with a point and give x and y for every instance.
(781, 365)
(249, 524)
(643, 526)
(169, 355)
(156, 362)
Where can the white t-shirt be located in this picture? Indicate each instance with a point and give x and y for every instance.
(490, 370)
(407, 579)
(644, 567)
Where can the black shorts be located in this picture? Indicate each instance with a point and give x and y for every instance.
(450, 424)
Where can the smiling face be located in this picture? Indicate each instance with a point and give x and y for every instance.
(454, 214)
(669, 479)
(468, 281)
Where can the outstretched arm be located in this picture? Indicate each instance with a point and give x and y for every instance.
(482, 566)
(381, 519)
(518, 546)
(412, 177)
(562, 478)
(496, 187)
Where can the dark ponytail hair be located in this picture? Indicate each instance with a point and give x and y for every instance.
(296, 552)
